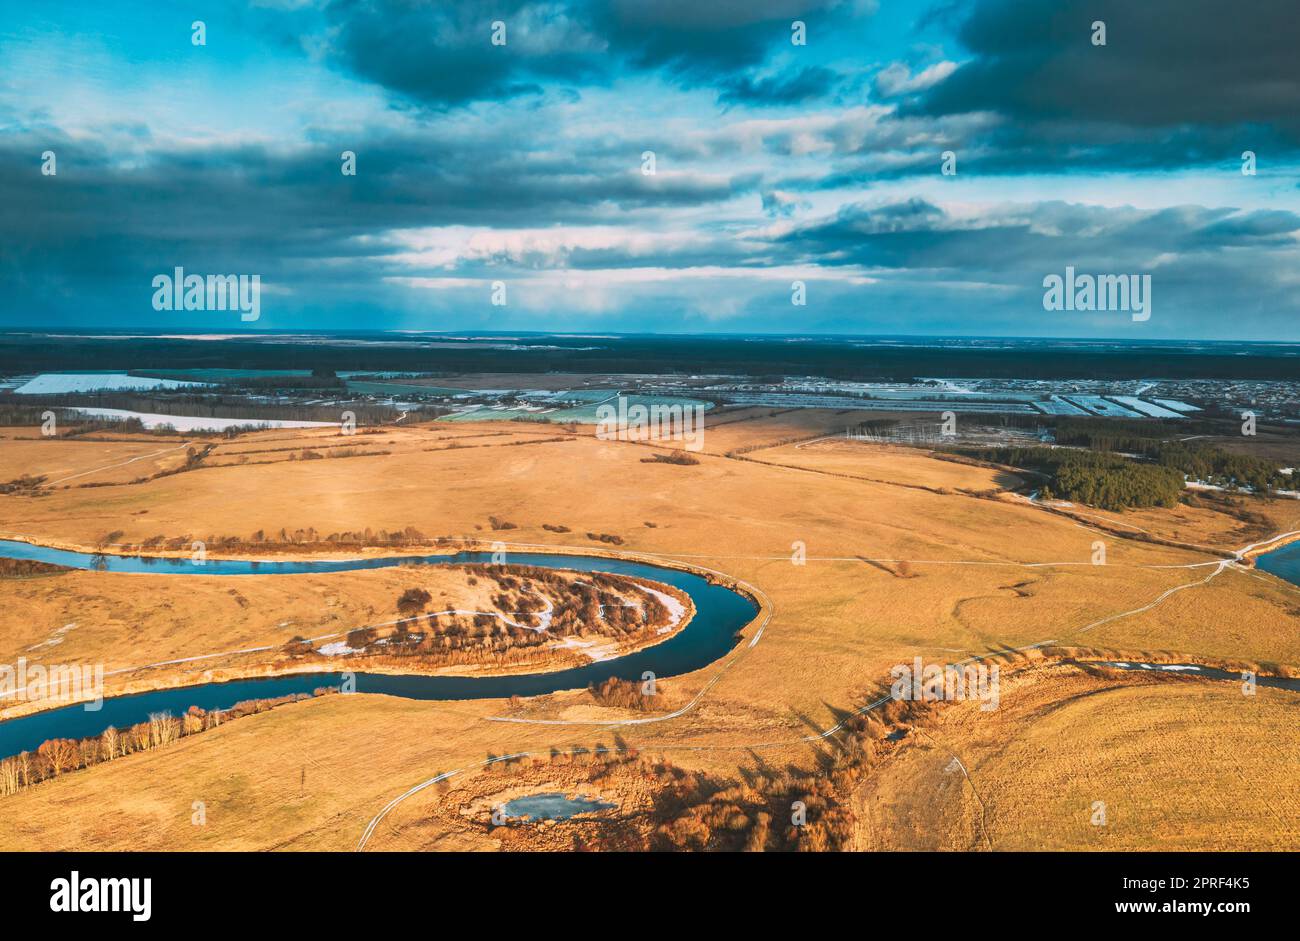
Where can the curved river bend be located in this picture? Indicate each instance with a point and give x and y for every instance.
(720, 614)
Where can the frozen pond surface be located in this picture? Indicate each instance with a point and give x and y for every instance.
(551, 807)
(197, 422)
(57, 383)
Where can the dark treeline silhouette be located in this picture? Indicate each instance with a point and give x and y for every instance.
(748, 356)
(326, 382)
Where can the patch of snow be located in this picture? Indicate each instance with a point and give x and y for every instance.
(676, 610)
(197, 423)
(593, 650)
(49, 382)
(337, 649)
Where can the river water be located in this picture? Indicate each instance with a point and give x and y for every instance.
(720, 614)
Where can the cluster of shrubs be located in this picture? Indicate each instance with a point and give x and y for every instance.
(670, 457)
(413, 601)
(621, 694)
(756, 815)
(692, 810)
(307, 454)
(26, 486)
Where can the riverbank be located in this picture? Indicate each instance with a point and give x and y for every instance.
(1251, 553)
(711, 620)
(564, 655)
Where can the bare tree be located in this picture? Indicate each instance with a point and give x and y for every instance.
(108, 743)
(60, 754)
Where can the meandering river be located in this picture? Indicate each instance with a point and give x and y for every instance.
(720, 614)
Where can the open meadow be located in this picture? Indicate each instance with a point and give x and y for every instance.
(861, 556)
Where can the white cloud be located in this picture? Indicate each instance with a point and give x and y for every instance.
(897, 79)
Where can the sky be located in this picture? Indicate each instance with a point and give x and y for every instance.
(519, 171)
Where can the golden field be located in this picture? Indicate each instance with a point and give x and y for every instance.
(906, 555)
(883, 463)
(68, 462)
(1179, 764)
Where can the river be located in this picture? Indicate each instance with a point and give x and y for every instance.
(720, 614)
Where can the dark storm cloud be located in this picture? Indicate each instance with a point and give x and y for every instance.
(993, 145)
(703, 41)
(1165, 63)
(103, 224)
(1043, 237)
(418, 179)
(440, 54)
(1214, 271)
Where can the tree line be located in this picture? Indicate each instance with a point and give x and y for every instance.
(1103, 480)
(58, 756)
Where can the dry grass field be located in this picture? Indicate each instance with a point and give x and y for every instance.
(72, 462)
(1266, 443)
(762, 427)
(1179, 764)
(891, 572)
(1208, 519)
(910, 467)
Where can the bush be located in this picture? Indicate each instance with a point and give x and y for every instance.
(623, 694)
(672, 457)
(361, 638)
(412, 601)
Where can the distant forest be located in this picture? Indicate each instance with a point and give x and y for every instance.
(1106, 479)
(755, 357)
(1152, 440)
(1098, 479)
